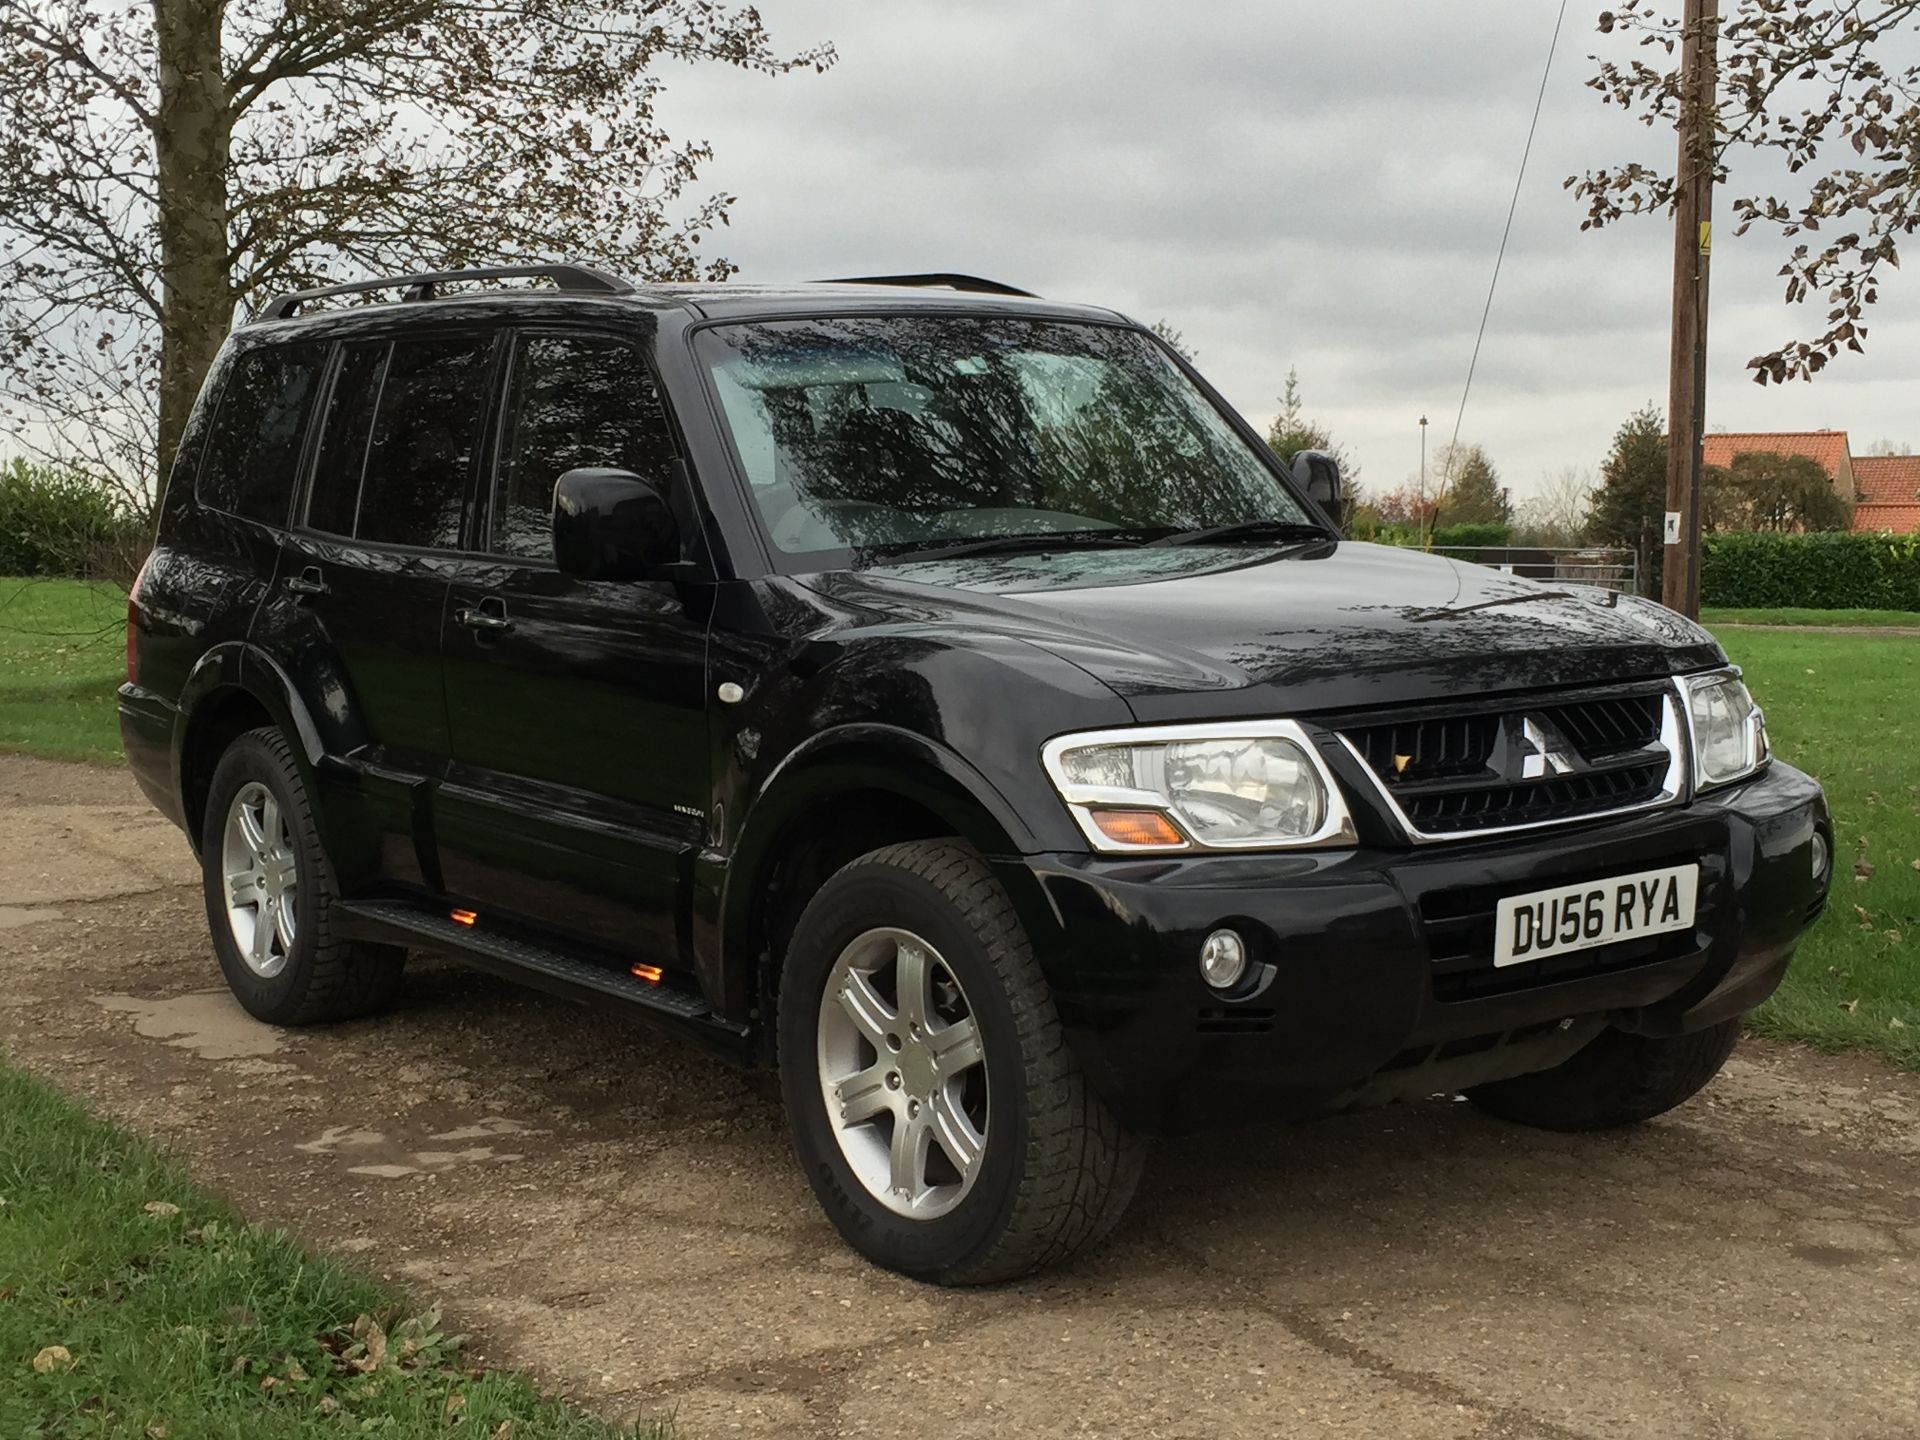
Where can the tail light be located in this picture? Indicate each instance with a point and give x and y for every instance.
(133, 623)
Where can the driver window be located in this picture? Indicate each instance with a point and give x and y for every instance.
(573, 402)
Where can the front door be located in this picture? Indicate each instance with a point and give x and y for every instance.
(579, 786)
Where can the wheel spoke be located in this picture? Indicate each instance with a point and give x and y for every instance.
(270, 820)
(260, 945)
(865, 1095)
(251, 831)
(282, 873)
(956, 1134)
(956, 1047)
(283, 924)
(871, 1014)
(913, 977)
(243, 888)
(908, 1172)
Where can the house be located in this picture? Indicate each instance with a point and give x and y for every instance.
(1889, 493)
(1887, 488)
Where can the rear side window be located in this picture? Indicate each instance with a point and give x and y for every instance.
(402, 432)
(574, 401)
(254, 445)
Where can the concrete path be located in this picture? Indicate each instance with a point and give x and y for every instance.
(622, 1217)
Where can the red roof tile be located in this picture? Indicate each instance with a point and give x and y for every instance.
(1887, 479)
(1900, 519)
(1826, 447)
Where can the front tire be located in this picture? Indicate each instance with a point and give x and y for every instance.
(270, 891)
(1619, 1079)
(940, 1117)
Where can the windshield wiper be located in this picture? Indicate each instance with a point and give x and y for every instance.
(1247, 530)
(1012, 545)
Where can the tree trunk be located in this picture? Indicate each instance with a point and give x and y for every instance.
(191, 147)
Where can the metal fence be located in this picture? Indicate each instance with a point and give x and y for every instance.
(1617, 570)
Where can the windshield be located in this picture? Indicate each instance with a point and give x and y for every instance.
(870, 437)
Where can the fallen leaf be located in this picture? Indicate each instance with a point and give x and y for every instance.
(267, 1382)
(1896, 1023)
(1916, 864)
(328, 1405)
(456, 1402)
(505, 1432)
(1852, 1007)
(295, 1371)
(54, 1357)
(161, 1207)
(239, 1365)
(376, 1355)
(1866, 920)
(157, 1431)
(1863, 871)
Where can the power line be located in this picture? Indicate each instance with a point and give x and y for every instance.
(1513, 206)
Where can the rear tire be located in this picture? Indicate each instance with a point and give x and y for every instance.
(270, 891)
(1619, 1079)
(1051, 1170)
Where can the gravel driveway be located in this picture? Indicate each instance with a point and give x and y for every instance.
(622, 1218)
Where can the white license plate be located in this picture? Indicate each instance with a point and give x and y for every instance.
(1600, 912)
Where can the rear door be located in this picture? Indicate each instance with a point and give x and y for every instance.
(577, 709)
(369, 569)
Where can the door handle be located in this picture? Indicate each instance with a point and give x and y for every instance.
(308, 582)
(490, 614)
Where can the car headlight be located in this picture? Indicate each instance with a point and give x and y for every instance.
(1249, 785)
(1729, 732)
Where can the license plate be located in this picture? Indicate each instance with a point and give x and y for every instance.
(1600, 912)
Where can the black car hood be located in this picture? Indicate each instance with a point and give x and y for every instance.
(1216, 631)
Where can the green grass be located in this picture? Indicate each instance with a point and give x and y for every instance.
(62, 652)
(1847, 709)
(184, 1322)
(1873, 618)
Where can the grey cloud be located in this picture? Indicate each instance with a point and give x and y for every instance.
(1289, 183)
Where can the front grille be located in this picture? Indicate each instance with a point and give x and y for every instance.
(1459, 772)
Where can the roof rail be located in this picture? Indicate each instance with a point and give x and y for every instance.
(971, 283)
(581, 279)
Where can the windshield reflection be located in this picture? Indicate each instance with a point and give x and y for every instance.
(867, 437)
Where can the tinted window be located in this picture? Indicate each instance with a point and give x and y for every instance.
(343, 438)
(254, 446)
(574, 401)
(871, 434)
(426, 432)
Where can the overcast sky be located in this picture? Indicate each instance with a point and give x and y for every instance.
(1289, 183)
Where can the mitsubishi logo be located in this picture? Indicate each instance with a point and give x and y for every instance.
(1530, 748)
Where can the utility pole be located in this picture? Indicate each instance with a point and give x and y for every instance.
(1692, 260)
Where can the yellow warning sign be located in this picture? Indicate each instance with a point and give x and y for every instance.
(1706, 237)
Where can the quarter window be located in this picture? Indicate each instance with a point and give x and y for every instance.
(574, 402)
(255, 443)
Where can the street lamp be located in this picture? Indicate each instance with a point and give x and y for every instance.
(1423, 459)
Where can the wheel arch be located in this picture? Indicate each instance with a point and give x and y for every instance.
(840, 795)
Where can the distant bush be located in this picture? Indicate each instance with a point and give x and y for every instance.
(1470, 537)
(1829, 571)
(55, 521)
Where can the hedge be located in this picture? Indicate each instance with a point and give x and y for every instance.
(1828, 571)
(56, 522)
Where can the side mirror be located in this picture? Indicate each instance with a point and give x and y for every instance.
(612, 525)
(1318, 473)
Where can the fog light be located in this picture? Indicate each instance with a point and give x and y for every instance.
(1821, 857)
(1223, 959)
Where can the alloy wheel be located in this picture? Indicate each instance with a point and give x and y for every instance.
(262, 875)
(903, 1073)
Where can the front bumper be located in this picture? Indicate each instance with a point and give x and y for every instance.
(1373, 973)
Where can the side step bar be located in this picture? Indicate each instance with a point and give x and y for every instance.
(544, 968)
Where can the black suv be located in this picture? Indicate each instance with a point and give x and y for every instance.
(942, 695)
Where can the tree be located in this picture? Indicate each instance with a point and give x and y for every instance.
(1175, 340)
(1803, 83)
(164, 161)
(1889, 447)
(1292, 432)
(1471, 492)
(1630, 510)
(1558, 512)
(1762, 490)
